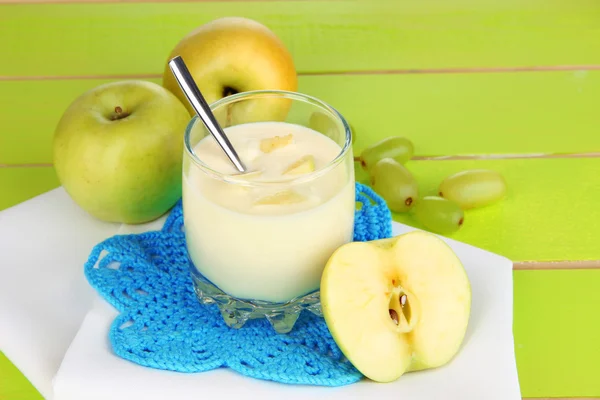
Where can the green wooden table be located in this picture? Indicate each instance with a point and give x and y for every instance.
(511, 85)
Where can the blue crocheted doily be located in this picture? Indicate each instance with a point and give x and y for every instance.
(163, 325)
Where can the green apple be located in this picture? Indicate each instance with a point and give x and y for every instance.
(396, 305)
(118, 151)
(231, 55)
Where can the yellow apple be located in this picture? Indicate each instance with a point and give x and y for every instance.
(396, 305)
(231, 55)
(118, 151)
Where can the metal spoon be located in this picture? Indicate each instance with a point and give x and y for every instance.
(187, 84)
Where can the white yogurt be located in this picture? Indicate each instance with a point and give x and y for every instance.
(271, 252)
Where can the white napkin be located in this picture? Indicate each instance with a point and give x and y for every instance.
(485, 368)
(43, 293)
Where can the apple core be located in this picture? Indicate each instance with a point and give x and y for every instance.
(402, 310)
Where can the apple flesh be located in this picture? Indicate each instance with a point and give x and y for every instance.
(396, 305)
(118, 151)
(231, 55)
(304, 165)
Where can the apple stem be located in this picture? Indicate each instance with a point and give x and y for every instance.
(119, 114)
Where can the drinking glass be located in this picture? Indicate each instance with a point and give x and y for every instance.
(266, 262)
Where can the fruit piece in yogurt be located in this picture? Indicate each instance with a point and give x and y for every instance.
(273, 143)
(304, 165)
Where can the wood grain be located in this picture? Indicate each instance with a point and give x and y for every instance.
(124, 38)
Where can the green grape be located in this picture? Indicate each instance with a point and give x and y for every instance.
(473, 188)
(438, 214)
(396, 147)
(395, 184)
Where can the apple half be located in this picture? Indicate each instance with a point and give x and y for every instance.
(396, 305)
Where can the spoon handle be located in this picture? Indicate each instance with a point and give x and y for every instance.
(191, 91)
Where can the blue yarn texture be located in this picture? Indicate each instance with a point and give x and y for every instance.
(162, 325)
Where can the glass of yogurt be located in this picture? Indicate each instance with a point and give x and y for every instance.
(258, 242)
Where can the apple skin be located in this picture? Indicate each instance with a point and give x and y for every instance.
(360, 287)
(125, 170)
(231, 55)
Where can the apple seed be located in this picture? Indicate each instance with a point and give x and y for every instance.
(400, 310)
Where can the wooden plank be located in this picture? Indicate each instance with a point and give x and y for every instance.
(331, 36)
(549, 202)
(549, 214)
(458, 114)
(20, 184)
(556, 329)
(525, 112)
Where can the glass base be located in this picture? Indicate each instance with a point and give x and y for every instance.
(236, 312)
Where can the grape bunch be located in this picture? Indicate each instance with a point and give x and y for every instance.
(444, 213)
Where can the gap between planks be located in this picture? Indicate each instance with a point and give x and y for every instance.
(555, 265)
(592, 154)
(139, 1)
(415, 71)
